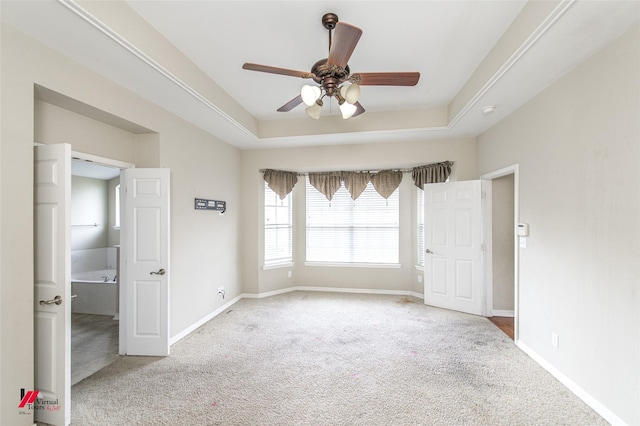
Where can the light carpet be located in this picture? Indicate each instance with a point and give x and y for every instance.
(306, 358)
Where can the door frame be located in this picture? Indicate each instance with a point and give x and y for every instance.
(488, 244)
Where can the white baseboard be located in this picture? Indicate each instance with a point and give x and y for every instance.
(501, 313)
(596, 405)
(193, 327)
(268, 293)
(356, 290)
(209, 317)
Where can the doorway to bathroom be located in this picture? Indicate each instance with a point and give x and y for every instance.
(95, 272)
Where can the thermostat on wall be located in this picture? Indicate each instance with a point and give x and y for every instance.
(523, 229)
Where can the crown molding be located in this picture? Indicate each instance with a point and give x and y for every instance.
(548, 22)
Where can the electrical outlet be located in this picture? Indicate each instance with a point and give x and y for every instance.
(289, 274)
(419, 278)
(221, 291)
(555, 340)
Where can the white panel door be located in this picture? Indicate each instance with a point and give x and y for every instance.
(453, 246)
(145, 261)
(52, 284)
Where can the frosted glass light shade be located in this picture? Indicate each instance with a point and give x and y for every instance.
(351, 92)
(309, 94)
(314, 111)
(347, 110)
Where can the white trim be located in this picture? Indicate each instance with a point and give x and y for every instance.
(501, 172)
(269, 293)
(354, 265)
(113, 35)
(501, 313)
(419, 267)
(278, 265)
(487, 245)
(103, 161)
(356, 290)
(193, 327)
(562, 7)
(592, 402)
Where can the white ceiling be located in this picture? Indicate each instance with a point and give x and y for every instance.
(455, 45)
(444, 41)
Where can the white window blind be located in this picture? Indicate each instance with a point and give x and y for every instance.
(420, 223)
(278, 228)
(345, 231)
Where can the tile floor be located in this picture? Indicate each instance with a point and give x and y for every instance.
(94, 344)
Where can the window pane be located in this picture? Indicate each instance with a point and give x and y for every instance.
(347, 231)
(278, 229)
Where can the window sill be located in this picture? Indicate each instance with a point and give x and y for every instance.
(116, 228)
(354, 265)
(278, 265)
(419, 268)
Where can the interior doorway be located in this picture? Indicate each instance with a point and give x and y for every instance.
(95, 275)
(501, 251)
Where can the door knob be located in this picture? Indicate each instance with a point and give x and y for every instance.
(429, 251)
(57, 300)
(160, 272)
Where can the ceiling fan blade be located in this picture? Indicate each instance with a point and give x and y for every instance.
(388, 78)
(345, 38)
(359, 111)
(275, 70)
(291, 104)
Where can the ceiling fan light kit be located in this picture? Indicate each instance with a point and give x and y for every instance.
(350, 92)
(333, 75)
(315, 109)
(310, 94)
(347, 110)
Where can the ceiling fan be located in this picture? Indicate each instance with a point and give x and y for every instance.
(333, 76)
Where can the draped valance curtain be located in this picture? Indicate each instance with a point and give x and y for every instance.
(385, 182)
(280, 182)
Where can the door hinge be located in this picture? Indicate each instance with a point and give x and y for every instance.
(483, 195)
(483, 247)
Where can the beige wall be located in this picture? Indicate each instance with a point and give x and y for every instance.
(577, 146)
(204, 246)
(351, 157)
(89, 205)
(53, 124)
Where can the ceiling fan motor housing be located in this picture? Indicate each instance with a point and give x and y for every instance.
(329, 76)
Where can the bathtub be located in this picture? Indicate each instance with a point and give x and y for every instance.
(94, 281)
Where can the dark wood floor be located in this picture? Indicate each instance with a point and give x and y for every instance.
(505, 324)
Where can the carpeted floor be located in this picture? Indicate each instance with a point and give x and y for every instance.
(307, 358)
